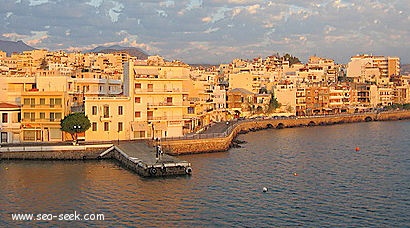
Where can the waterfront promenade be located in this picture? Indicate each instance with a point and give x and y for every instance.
(219, 136)
(214, 138)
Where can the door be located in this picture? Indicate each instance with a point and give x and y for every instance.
(4, 137)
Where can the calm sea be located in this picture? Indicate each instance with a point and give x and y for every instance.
(314, 176)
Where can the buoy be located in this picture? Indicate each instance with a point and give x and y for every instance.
(264, 189)
(357, 148)
(295, 174)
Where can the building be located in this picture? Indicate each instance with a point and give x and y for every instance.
(10, 123)
(42, 112)
(110, 119)
(376, 69)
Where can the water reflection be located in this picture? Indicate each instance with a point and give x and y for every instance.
(334, 186)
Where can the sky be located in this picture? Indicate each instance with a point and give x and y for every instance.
(214, 31)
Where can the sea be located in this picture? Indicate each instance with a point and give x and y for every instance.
(347, 175)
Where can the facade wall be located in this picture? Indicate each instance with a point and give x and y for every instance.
(110, 118)
(41, 114)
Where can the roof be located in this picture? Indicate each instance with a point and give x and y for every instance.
(240, 90)
(8, 105)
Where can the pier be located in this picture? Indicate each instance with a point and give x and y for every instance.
(137, 156)
(142, 159)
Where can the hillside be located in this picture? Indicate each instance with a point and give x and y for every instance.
(140, 54)
(11, 47)
(405, 69)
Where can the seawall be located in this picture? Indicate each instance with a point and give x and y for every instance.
(223, 142)
(53, 152)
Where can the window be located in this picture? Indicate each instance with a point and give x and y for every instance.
(191, 110)
(137, 85)
(150, 115)
(106, 111)
(106, 126)
(29, 116)
(150, 87)
(137, 114)
(94, 110)
(169, 100)
(30, 101)
(42, 115)
(42, 101)
(4, 117)
(55, 101)
(94, 126)
(120, 110)
(52, 116)
(137, 100)
(120, 126)
(58, 116)
(4, 137)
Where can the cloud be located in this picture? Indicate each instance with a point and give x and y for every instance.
(253, 9)
(37, 2)
(214, 30)
(35, 37)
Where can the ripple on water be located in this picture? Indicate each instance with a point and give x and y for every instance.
(334, 185)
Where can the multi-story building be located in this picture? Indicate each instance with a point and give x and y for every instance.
(317, 100)
(42, 112)
(286, 96)
(156, 90)
(369, 68)
(111, 119)
(10, 123)
(239, 102)
(301, 101)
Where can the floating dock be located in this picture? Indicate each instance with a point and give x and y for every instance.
(142, 159)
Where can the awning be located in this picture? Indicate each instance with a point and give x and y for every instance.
(139, 126)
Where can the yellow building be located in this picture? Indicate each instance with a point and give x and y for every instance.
(42, 112)
(158, 100)
(155, 92)
(110, 118)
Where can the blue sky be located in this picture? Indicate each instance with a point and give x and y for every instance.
(214, 31)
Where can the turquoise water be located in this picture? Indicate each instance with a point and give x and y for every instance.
(315, 178)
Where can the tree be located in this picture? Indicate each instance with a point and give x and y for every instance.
(292, 59)
(273, 104)
(75, 123)
(44, 64)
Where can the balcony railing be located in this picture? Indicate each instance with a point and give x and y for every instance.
(168, 118)
(38, 106)
(174, 90)
(39, 120)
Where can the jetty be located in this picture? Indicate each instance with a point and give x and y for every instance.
(137, 156)
(146, 161)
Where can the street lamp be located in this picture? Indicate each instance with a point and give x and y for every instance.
(76, 128)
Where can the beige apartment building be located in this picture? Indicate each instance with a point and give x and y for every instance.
(110, 118)
(369, 68)
(41, 113)
(156, 90)
(286, 96)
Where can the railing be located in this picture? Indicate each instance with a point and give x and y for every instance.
(42, 106)
(175, 90)
(234, 124)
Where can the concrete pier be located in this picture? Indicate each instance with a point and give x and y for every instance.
(142, 159)
(134, 155)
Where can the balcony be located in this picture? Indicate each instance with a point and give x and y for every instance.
(42, 106)
(163, 104)
(168, 118)
(159, 91)
(40, 120)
